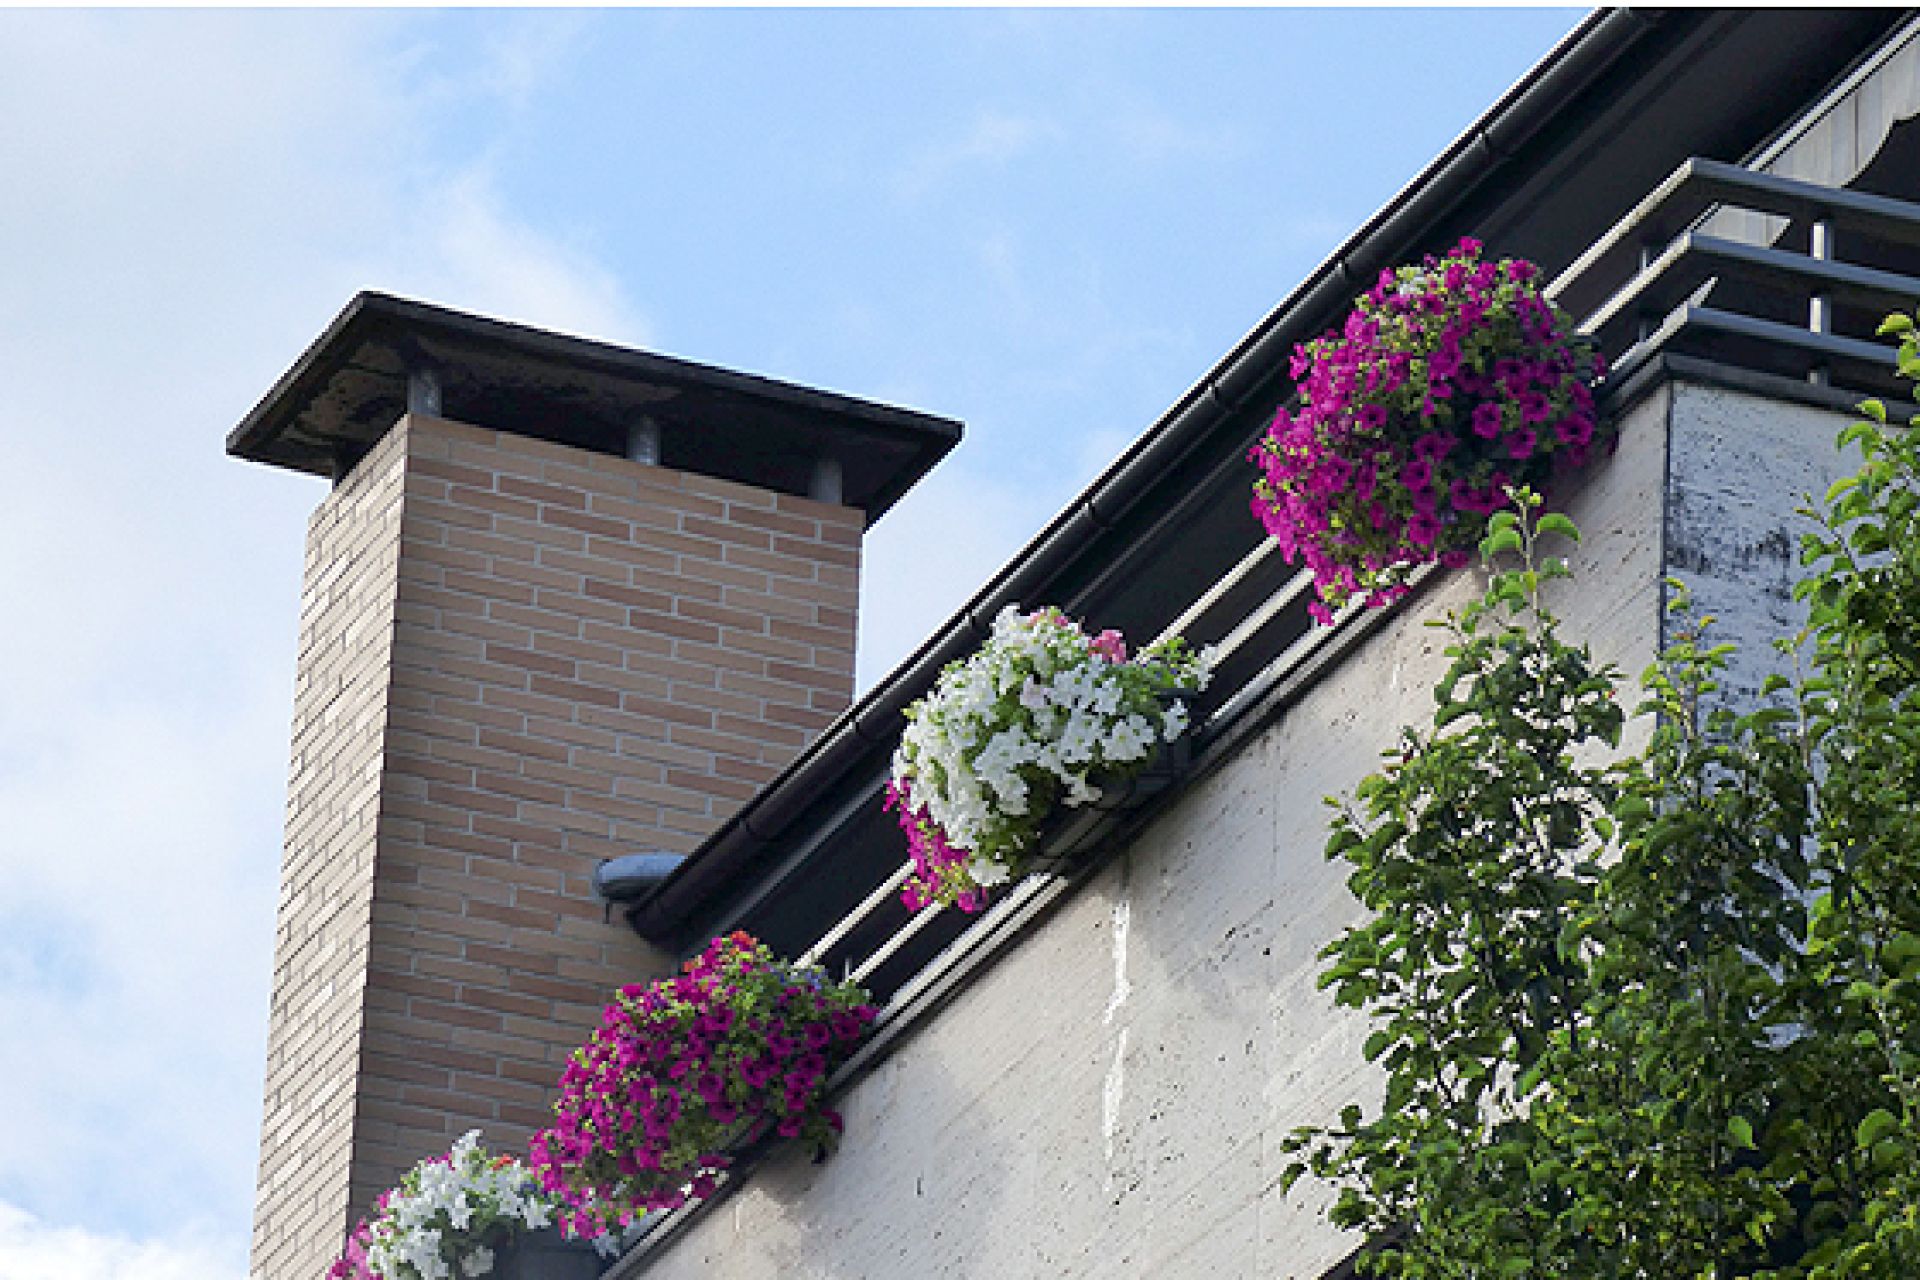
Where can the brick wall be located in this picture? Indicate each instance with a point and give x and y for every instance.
(589, 657)
(326, 886)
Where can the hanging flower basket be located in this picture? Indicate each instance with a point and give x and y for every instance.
(460, 1215)
(1043, 717)
(1449, 383)
(683, 1072)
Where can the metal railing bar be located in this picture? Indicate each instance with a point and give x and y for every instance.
(1698, 186)
(921, 919)
(1253, 622)
(1631, 235)
(1294, 654)
(1712, 323)
(1693, 259)
(1211, 596)
(854, 918)
(1774, 332)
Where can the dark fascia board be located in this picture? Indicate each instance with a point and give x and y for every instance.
(350, 386)
(1612, 109)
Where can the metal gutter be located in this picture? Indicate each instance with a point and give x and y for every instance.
(1248, 371)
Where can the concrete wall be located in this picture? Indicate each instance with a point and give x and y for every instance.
(1741, 466)
(1108, 1100)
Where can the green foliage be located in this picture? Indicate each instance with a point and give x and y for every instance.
(1660, 1016)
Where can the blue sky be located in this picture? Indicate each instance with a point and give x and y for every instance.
(1047, 224)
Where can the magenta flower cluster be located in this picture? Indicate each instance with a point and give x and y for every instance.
(684, 1070)
(1449, 382)
(938, 863)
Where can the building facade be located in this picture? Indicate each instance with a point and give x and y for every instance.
(565, 605)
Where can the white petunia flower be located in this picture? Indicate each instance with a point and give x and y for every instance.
(987, 871)
(1037, 701)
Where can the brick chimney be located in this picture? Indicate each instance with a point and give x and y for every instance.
(565, 601)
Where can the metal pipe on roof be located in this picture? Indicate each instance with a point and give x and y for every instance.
(643, 442)
(1255, 363)
(635, 875)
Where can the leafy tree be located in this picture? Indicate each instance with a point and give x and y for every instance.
(1656, 1017)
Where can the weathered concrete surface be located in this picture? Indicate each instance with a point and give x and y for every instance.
(1741, 466)
(1109, 1099)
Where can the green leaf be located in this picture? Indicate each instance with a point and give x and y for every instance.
(1877, 1125)
(1554, 522)
(1290, 1176)
(1741, 1131)
(1495, 543)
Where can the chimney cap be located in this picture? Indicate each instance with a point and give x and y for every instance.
(351, 385)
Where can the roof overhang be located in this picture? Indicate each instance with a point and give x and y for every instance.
(353, 384)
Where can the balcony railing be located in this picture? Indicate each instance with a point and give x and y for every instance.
(1780, 279)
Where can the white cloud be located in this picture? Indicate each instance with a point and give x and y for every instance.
(1149, 134)
(34, 1250)
(189, 197)
(470, 253)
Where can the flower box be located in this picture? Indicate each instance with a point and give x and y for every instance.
(1016, 759)
(547, 1255)
(1069, 836)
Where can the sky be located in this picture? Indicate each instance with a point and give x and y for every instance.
(1047, 224)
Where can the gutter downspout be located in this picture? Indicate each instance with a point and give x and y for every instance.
(1253, 364)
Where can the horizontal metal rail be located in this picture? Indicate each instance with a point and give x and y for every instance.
(1748, 342)
(1696, 260)
(1255, 622)
(921, 919)
(853, 919)
(1700, 187)
(1263, 549)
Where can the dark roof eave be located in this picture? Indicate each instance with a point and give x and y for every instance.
(405, 327)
